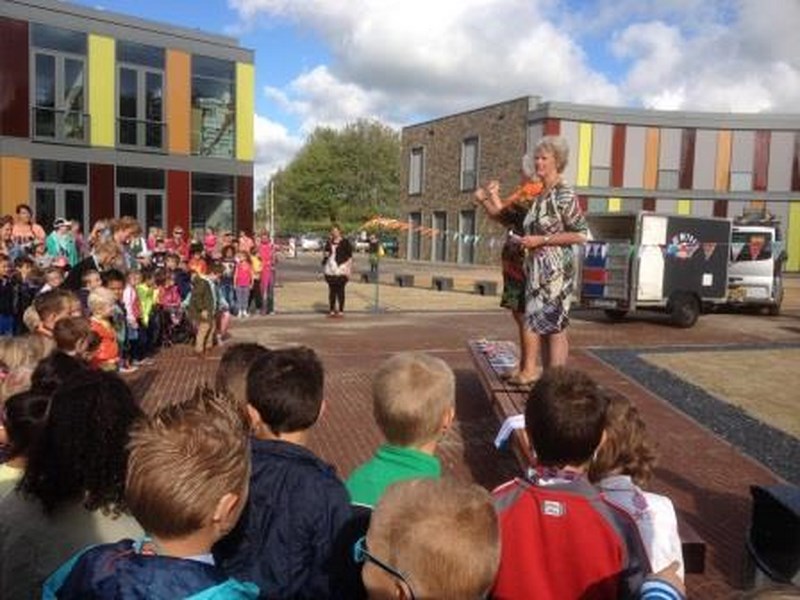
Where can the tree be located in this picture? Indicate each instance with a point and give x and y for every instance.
(347, 175)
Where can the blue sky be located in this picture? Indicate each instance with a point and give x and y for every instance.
(330, 62)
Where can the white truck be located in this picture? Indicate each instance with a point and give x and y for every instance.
(679, 264)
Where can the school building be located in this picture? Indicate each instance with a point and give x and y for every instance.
(621, 159)
(104, 115)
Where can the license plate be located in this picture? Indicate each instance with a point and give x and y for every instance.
(757, 293)
(603, 304)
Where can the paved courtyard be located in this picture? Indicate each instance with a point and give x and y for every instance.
(705, 473)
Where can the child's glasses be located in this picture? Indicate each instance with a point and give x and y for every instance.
(362, 555)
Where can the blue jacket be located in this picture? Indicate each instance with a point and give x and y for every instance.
(289, 539)
(117, 571)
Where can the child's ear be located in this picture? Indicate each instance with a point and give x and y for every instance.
(226, 513)
(322, 408)
(255, 418)
(447, 419)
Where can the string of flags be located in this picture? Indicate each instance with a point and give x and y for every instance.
(683, 246)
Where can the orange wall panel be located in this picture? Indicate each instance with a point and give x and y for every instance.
(651, 147)
(179, 101)
(722, 175)
(15, 183)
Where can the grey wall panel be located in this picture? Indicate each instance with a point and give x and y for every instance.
(633, 174)
(780, 210)
(535, 133)
(744, 143)
(631, 204)
(705, 158)
(666, 205)
(781, 154)
(669, 154)
(703, 208)
(569, 130)
(601, 145)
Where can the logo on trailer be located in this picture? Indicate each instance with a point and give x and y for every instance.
(683, 246)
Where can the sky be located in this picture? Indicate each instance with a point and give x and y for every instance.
(331, 62)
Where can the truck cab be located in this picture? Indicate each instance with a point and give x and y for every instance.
(755, 273)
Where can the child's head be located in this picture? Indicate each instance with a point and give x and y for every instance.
(52, 371)
(134, 277)
(70, 334)
(231, 376)
(188, 468)
(243, 256)
(25, 266)
(565, 417)
(440, 534)
(81, 454)
(24, 418)
(627, 449)
(101, 302)
(54, 277)
(228, 252)
(285, 389)
(5, 265)
(148, 276)
(215, 270)
(172, 262)
(114, 280)
(17, 352)
(54, 305)
(413, 398)
(91, 280)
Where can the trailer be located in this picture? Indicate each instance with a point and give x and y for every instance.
(649, 261)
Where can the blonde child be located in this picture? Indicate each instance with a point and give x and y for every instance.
(242, 282)
(623, 464)
(101, 305)
(414, 405)
(431, 539)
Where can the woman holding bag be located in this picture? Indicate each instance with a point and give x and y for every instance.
(337, 258)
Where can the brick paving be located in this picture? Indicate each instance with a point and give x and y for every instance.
(707, 478)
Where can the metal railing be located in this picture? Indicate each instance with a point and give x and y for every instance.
(141, 134)
(59, 125)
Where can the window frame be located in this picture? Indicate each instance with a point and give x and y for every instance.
(232, 83)
(141, 120)
(468, 180)
(419, 188)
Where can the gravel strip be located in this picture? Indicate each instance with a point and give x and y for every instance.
(772, 447)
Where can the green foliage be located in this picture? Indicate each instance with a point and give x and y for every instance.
(347, 175)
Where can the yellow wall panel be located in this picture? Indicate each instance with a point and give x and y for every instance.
(245, 111)
(684, 207)
(614, 204)
(722, 172)
(102, 71)
(179, 101)
(793, 237)
(15, 182)
(651, 146)
(584, 154)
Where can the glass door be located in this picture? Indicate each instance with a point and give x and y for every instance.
(439, 237)
(466, 238)
(44, 207)
(59, 201)
(414, 235)
(147, 207)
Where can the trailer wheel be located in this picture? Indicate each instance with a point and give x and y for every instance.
(684, 309)
(615, 314)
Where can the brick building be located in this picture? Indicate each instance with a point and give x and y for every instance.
(104, 115)
(621, 159)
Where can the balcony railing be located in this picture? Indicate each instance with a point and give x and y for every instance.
(59, 125)
(141, 134)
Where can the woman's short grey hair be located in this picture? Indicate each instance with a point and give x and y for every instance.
(558, 147)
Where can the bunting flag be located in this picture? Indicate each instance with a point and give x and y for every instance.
(708, 249)
(736, 250)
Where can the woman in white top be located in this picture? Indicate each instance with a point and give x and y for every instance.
(623, 464)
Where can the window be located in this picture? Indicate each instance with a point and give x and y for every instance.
(59, 190)
(750, 246)
(416, 171)
(140, 96)
(59, 84)
(466, 237)
(469, 164)
(439, 236)
(212, 201)
(414, 235)
(140, 194)
(213, 107)
(741, 181)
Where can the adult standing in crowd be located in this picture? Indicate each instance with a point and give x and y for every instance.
(266, 252)
(8, 244)
(61, 244)
(178, 244)
(103, 256)
(511, 212)
(553, 224)
(26, 231)
(337, 258)
(123, 230)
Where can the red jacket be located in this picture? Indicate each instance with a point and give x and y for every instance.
(562, 542)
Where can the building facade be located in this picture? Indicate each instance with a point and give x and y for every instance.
(689, 163)
(104, 115)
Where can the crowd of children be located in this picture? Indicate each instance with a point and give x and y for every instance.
(218, 495)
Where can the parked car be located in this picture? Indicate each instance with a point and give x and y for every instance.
(310, 242)
(390, 245)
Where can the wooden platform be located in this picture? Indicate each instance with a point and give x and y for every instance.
(492, 359)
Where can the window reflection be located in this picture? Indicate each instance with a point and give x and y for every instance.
(213, 107)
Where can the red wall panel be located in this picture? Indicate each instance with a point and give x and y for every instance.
(244, 203)
(101, 192)
(14, 85)
(761, 161)
(617, 156)
(648, 204)
(686, 170)
(178, 199)
(552, 127)
(796, 165)
(721, 208)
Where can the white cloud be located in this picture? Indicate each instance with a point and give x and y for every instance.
(274, 147)
(406, 60)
